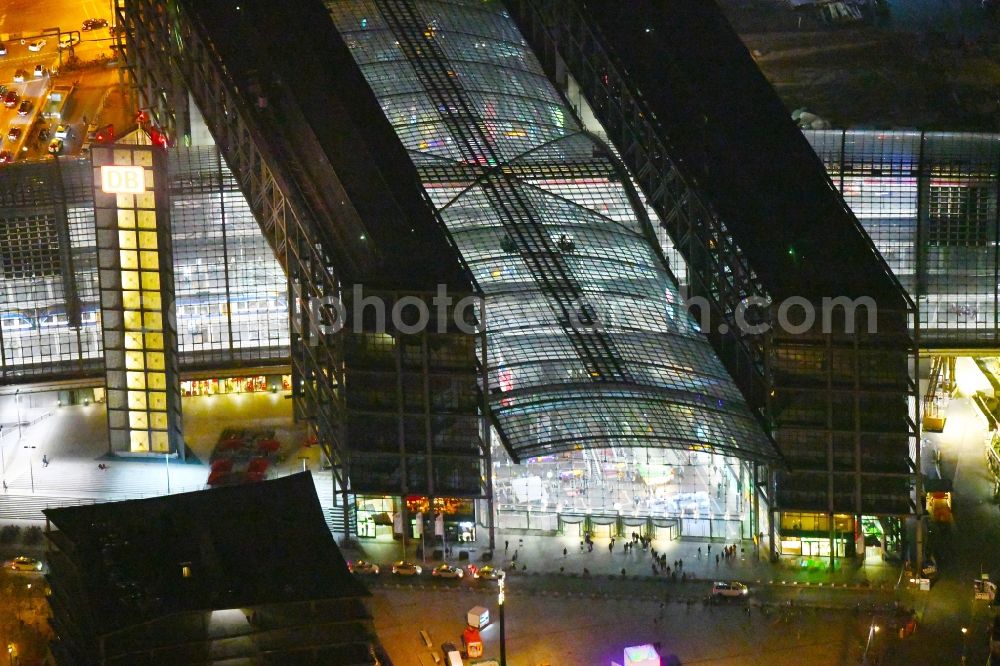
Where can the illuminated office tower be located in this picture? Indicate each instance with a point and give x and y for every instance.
(135, 269)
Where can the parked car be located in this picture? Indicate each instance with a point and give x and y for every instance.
(14, 133)
(364, 568)
(729, 589)
(452, 657)
(56, 146)
(39, 71)
(68, 41)
(404, 568)
(94, 24)
(25, 107)
(11, 99)
(447, 571)
(6, 157)
(43, 135)
(3, 49)
(62, 131)
(19, 76)
(37, 45)
(22, 563)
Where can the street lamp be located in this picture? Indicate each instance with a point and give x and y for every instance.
(965, 644)
(872, 630)
(31, 471)
(17, 405)
(503, 628)
(10, 653)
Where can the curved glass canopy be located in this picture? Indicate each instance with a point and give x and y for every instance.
(589, 344)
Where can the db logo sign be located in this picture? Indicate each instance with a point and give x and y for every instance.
(123, 179)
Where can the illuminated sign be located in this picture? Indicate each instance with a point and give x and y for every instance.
(123, 179)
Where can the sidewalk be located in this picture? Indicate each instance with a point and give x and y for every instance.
(544, 554)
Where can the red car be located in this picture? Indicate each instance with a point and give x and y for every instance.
(10, 99)
(14, 134)
(6, 157)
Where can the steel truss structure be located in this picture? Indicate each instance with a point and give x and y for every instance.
(169, 59)
(325, 244)
(589, 344)
(838, 404)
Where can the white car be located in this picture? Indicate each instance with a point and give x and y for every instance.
(22, 563)
(69, 41)
(447, 571)
(362, 567)
(404, 568)
(729, 589)
(62, 132)
(19, 76)
(39, 71)
(3, 49)
(37, 45)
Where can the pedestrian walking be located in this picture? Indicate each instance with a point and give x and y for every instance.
(611, 546)
(45, 460)
(716, 559)
(699, 552)
(506, 547)
(565, 553)
(680, 564)
(514, 559)
(5, 486)
(710, 550)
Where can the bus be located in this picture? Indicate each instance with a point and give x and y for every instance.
(57, 103)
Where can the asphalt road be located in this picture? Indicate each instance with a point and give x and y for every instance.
(24, 21)
(585, 630)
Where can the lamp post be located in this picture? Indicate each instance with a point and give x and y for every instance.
(503, 629)
(17, 405)
(10, 653)
(872, 630)
(31, 471)
(965, 644)
(3, 462)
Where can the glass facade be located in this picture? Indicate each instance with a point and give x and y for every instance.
(589, 345)
(929, 202)
(49, 314)
(230, 290)
(412, 406)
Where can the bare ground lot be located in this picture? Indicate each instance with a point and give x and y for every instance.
(929, 64)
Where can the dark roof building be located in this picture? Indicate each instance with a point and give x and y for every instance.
(247, 573)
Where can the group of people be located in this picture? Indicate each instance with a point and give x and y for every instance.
(659, 562)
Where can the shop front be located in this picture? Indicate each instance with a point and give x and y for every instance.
(231, 385)
(378, 516)
(809, 535)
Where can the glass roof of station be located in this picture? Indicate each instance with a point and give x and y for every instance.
(589, 343)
